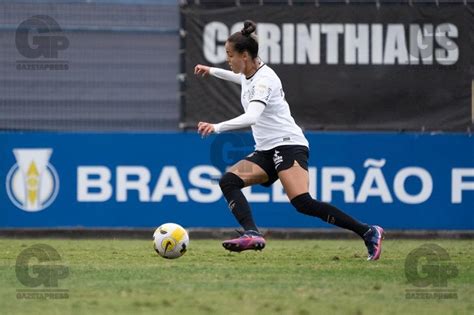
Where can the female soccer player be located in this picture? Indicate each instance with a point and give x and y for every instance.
(281, 150)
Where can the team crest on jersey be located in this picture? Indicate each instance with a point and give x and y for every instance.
(251, 93)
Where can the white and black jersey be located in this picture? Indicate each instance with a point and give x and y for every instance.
(274, 126)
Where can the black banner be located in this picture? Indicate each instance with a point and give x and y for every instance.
(343, 67)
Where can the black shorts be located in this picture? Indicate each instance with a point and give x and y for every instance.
(279, 159)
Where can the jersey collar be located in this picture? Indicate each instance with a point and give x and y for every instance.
(255, 71)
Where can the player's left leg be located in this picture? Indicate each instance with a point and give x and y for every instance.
(295, 182)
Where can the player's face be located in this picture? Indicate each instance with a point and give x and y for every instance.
(235, 59)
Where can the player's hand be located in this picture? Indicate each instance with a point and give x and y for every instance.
(205, 128)
(201, 70)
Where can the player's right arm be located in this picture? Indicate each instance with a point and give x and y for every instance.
(217, 72)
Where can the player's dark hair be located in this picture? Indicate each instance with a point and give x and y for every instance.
(245, 40)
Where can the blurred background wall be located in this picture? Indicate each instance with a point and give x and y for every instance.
(98, 107)
(122, 66)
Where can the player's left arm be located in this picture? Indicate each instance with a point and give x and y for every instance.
(223, 74)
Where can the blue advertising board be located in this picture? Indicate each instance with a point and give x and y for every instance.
(399, 181)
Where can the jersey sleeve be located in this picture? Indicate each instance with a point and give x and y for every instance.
(262, 90)
(247, 119)
(225, 75)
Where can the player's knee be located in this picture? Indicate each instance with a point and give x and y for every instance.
(229, 181)
(304, 203)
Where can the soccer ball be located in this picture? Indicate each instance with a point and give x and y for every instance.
(170, 240)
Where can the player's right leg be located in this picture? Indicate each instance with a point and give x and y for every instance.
(242, 174)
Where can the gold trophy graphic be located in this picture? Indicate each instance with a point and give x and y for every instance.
(32, 183)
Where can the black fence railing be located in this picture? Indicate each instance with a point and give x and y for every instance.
(224, 3)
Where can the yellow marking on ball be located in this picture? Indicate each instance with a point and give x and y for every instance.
(168, 244)
(178, 234)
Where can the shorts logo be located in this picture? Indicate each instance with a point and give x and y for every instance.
(32, 183)
(277, 159)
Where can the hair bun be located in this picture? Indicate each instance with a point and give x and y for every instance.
(249, 28)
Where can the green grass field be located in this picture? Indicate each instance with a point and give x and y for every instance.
(288, 277)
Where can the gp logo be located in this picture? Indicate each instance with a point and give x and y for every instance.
(40, 36)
